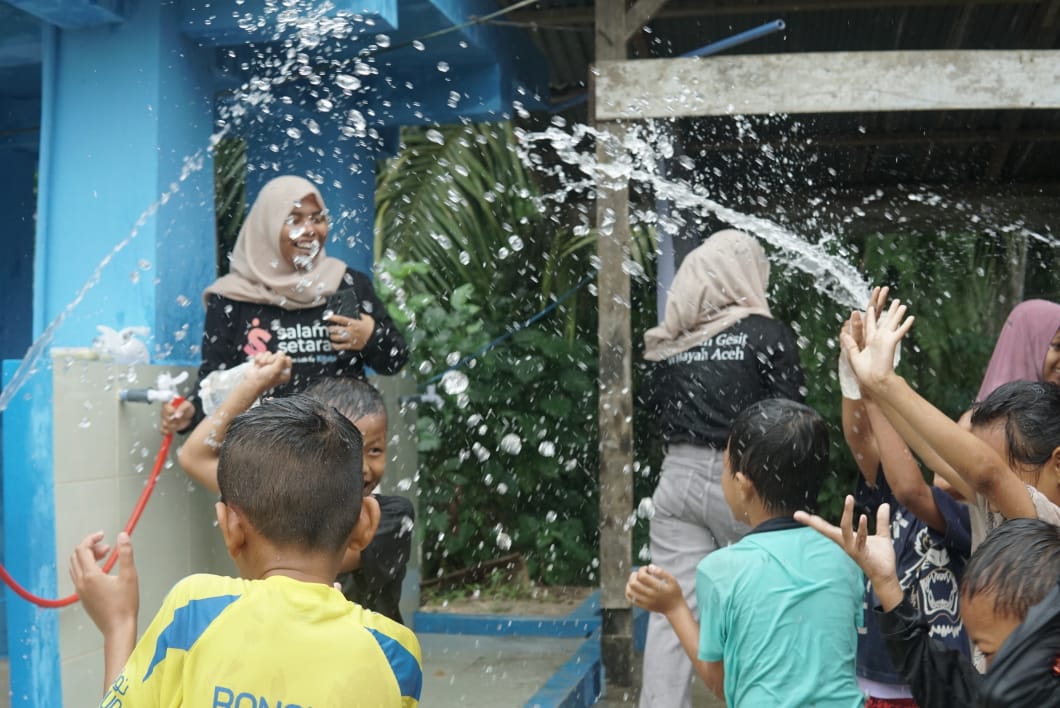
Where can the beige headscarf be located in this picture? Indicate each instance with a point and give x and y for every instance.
(258, 272)
(719, 283)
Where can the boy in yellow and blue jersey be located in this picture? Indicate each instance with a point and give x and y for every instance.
(291, 504)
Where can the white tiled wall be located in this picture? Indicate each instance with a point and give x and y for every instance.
(104, 452)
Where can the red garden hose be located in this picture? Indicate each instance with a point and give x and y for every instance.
(134, 517)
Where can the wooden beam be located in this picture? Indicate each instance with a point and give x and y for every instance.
(615, 404)
(687, 9)
(828, 83)
(870, 139)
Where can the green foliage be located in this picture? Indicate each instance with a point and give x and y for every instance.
(459, 199)
(510, 464)
(230, 195)
(507, 464)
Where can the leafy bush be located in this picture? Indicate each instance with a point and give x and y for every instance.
(510, 462)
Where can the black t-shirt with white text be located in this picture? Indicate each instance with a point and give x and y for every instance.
(696, 394)
(236, 331)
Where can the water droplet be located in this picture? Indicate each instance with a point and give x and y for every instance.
(546, 448)
(481, 452)
(85, 423)
(435, 136)
(504, 541)
(347, 82)
(294, 133)
(443, 66)
(325, 105)
(512, 444)
(455, 383)
(418, 45)
(551, 517)
(452, 358)
(382, 40)
(646, 508)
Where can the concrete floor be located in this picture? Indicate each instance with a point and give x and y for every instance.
(5, 684)
(619, 697)
(501, 672)
(507, 672)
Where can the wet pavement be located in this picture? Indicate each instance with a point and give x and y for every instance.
(515, 661)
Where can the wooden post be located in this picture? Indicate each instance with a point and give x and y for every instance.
(616, 404)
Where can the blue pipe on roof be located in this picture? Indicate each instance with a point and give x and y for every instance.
(710, 49)
(737, 39)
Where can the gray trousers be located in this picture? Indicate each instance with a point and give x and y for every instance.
(691, 520)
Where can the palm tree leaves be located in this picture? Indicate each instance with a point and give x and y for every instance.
(459, 199)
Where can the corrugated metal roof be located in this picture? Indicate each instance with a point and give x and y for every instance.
(843, 149)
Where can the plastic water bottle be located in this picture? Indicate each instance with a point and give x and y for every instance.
(218, 384)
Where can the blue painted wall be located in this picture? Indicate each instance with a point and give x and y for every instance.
(342, 167)
(19, 135)
(29, 542)
(16, 286)
(129, 104)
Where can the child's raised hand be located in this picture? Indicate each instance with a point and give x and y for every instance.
(111, 601)
(270, 369)
(654, 589)
(854, 329)
(878, 298)
(873, 360)
(874, 554)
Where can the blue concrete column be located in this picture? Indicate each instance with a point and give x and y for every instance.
(127, 109)
(16, 283)
(126, 115)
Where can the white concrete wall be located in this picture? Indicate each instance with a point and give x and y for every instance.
(104, 452)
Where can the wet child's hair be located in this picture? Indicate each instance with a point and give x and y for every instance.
(1018, 563)
(1031, 414)
(782, 447)
(292, 466)
(353, 398)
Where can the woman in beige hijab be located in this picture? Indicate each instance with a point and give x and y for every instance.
(284, 294)
(718, 351)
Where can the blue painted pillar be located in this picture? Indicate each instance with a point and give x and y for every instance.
(29, 542)
(126, 109)
(126, 117)
(16, 284)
